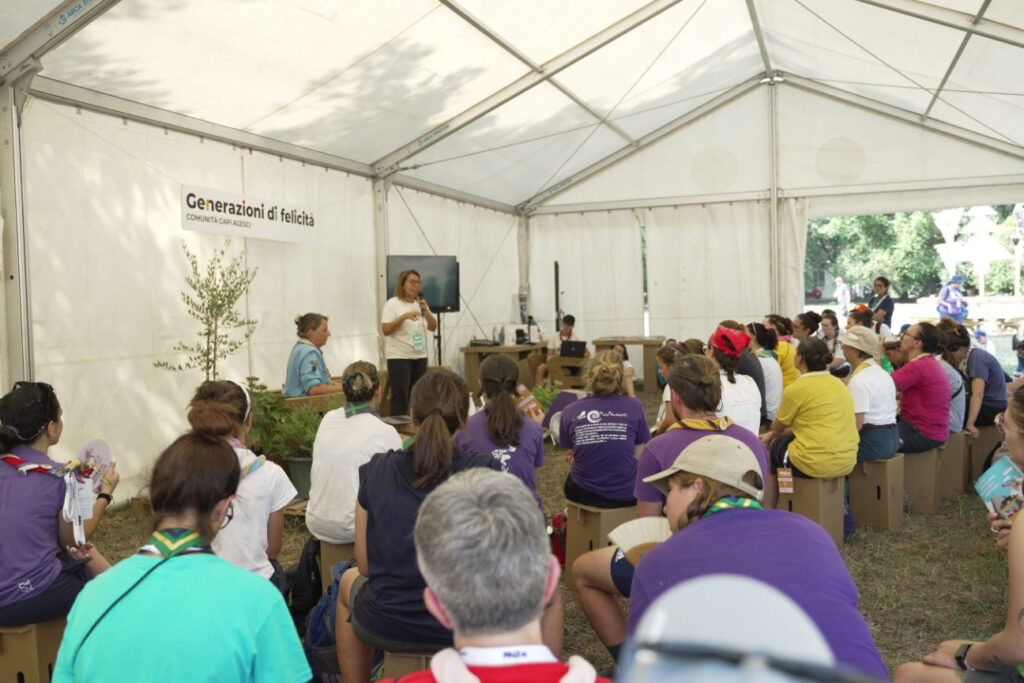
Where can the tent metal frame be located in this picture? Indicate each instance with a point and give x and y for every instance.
(954, 19)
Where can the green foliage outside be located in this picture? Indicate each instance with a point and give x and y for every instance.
(211, 301)
(899, 246)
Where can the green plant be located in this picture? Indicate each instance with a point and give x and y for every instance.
(545, 395)
(283, 429)
(211, 301)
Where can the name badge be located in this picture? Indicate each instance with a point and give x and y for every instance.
(785, 477)
(417, 342)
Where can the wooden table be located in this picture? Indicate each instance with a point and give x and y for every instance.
(476, 354)
(651, 346)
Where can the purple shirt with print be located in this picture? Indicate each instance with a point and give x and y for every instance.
(29, 506)
(663, 450)
(519, 460)
(602, 432)
(782, 549)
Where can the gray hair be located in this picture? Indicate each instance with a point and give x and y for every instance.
(482, 547)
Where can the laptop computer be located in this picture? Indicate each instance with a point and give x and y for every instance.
(574, 349)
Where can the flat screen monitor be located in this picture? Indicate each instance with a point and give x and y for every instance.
(439, 274)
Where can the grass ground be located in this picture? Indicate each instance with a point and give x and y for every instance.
(939, 577)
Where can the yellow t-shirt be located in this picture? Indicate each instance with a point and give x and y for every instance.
(819, 408)
(787, 357)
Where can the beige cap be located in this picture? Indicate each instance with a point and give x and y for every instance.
(722, 458)
(860, 338)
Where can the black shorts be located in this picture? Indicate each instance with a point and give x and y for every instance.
(578, 494)
(622, 572)
(53, 602)
(777, 456)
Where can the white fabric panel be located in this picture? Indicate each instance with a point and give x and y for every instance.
(1006, 12)
(600, 272)
(691, 48)
(519, 148)
(988, 66)
(104, 229)
(824, 143)
(17, 16)
(792, 254)
(485, 243)
(337, 77)
(721, 153)
(707, 263)
(543, 30)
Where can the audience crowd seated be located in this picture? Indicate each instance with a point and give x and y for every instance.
(713, 500)
(602, 432)
(924, 391)
(253, 540)
(763, 341)
(307, 373)
(628, 371)
(665, 356)
(749, 366)
(829, 333)
(785, 351)
(42, 567)
(741, 399)
(175, 611)
(815, 432)
(345, 441)
(986, 389)
(956, 341)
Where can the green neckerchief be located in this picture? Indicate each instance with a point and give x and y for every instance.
(358, 409)
(886, 365)
(717, 424)
(732, 503)
(765, 353)
(176, 541)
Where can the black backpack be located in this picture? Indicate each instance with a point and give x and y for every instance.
(304, 584)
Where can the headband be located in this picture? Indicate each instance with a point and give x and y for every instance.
(248, 402)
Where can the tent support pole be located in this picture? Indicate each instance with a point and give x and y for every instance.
(380, 233)
(16, 361)
(523, 245)
(773, 113)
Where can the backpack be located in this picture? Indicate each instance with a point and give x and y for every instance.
(304, 584)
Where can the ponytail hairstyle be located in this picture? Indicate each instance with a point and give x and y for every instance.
(956, 337)
(219, 408)
(695, 378)
(815, 354)
(604, 374)
(193, 474)
(500, 375)
(764, 335)
(360, 381)
(438, 404)
(668, 353)
(691, 345)
(810, 321)
(25, 412)
(727, 363)
(783, 325)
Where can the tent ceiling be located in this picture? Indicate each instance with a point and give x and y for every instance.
(505, 101)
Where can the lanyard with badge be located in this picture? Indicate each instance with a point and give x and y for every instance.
(418, 343)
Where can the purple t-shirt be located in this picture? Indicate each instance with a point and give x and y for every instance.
(983, 365)
(782, 549)
(29, 506)
(519, 460)
(925, 396)
(602, 432)
(663, 450)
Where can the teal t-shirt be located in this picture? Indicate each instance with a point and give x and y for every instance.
(197, 618)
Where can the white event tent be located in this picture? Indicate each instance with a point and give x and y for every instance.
(510, 134)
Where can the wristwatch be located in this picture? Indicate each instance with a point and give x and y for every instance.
(961, 657)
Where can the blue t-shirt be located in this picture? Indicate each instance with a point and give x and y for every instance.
(519, 460)
(603, 432)
(886, 304)
(196, 618)
(983, 365)
(784, 550)
(306, 369)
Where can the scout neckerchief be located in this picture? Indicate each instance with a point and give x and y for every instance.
(358, 409)
(77, 488)
(713, 424)
(732, 503)
(176, 541)
(867, 363)
(24, 467)
(765, 353)
(253, 465)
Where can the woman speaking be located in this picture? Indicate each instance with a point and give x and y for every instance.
(404, 322)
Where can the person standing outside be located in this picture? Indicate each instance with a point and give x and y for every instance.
(951, 300)
(881, 304)
(842, 297)
(404, 322)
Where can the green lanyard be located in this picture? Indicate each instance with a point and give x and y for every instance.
(358, 409)
(733, 503)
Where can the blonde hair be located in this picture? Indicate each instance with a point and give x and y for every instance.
(711, 492)
(604, 374)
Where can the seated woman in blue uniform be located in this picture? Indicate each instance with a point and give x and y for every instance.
(307, 371)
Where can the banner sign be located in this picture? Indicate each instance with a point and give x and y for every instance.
(227, 213)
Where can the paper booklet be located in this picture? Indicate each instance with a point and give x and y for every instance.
(1000, 488)
(637, 537)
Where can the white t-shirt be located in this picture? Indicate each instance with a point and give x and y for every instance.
(666, 397)
(772, 385)
(741, 401)
(265, 490)
(402, 343)
(874, 394)
(342, 445)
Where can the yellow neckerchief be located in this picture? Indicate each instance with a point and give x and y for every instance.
(715, 424)
(863, 364)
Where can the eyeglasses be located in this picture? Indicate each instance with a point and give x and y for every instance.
(229, 515)
(912, 336)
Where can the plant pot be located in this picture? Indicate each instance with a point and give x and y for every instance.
(298, 471)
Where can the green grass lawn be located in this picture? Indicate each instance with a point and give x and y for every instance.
(940, 576)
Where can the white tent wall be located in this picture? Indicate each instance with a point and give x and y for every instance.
(485, 243)
(600, 272)
(106, 267)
